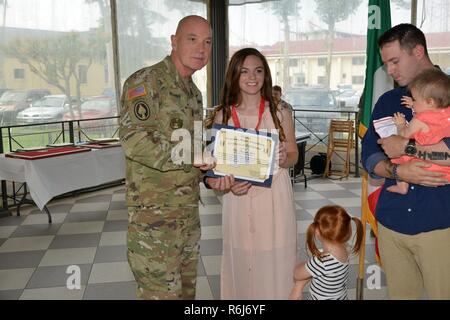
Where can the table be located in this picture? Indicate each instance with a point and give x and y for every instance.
(299, 168)
(49, 177)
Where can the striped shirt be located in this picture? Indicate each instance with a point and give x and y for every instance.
(329, 278)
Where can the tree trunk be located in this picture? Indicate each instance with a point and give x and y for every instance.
(330, 39)
(287, 31)
(68, 94)
(2, 40)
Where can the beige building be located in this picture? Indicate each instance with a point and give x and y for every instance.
(15, 74)
(307, 59)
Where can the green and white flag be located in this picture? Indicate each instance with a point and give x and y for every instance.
(377, 83)
(377, 79)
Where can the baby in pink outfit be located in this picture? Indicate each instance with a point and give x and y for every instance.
(431, 122)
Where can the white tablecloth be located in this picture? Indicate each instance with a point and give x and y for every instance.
(50, 177)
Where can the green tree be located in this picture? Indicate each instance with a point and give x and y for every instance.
(404, 4)
(4, 4)
(56, 60)
(332, 12)
(135, 22)
(184, 7)
(286, 9)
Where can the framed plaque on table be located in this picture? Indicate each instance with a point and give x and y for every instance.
(41, 153)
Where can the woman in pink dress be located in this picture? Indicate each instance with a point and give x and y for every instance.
(258, 223)
(431, 121)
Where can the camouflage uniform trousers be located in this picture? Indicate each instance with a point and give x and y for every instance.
(163, 251)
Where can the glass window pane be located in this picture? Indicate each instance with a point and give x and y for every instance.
(327, 39)
(50, 48)
(433, 17)
(145, 28)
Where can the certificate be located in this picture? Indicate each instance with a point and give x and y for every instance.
(248, 155)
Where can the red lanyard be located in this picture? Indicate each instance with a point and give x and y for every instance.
(234, 115)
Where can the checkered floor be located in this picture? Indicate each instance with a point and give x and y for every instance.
(89, 231)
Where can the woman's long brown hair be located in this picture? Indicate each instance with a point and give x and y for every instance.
(231, 93)
(333, 224)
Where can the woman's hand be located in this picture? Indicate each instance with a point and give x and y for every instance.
(222, 184)
(241, 188)
(282, 154)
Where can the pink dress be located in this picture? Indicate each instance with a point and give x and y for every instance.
(259, 235)
(438, 123)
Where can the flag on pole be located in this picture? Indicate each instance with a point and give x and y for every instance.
(377, 82)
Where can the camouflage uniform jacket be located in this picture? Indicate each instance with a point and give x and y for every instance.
(155, 102)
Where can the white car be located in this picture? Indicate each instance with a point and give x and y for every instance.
(348, 99)
(49, 108)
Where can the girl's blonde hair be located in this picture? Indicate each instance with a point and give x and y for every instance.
(433, 84)
(333, 224)
(231, 93)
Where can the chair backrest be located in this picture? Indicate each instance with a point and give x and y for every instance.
(341, 126)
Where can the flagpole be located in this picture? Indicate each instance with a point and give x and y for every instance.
(362, 254)
(376, 83)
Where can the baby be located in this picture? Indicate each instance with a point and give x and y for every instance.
(431, 122)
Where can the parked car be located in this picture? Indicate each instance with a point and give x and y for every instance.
(348, 99)
(109, 92)
(320, 100)
(3, 90)
(49, 108)
(14, 101)
(94, 107)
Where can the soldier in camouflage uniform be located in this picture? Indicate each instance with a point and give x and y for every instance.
(162, 196)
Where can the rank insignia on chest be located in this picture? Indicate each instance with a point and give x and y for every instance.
(136, 92)
(141, 110)
(176, 123)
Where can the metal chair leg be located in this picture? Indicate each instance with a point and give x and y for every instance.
(48, 213)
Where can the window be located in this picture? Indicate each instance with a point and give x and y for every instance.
(148, 29)
(358, 61)
(300, 79)
(358, 80)
(106, 73)
(322, 61)
(293, 62)
(434, 19)
(82, 73)
(19, 74)
(321, 80)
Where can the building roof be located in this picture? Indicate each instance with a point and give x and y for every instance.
(347, 45)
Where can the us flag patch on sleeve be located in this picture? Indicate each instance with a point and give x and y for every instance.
(136, 92)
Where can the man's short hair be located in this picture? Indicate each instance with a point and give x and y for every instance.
(277, 88)
(408, 35)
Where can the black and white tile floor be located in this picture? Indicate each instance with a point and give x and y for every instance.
(89, 231)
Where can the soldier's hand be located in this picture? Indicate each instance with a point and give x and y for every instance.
(240, 188)
(208, 162)
(221, 184)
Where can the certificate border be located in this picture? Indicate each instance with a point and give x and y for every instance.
(217, 127)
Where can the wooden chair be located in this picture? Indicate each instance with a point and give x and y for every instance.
(340, 142)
